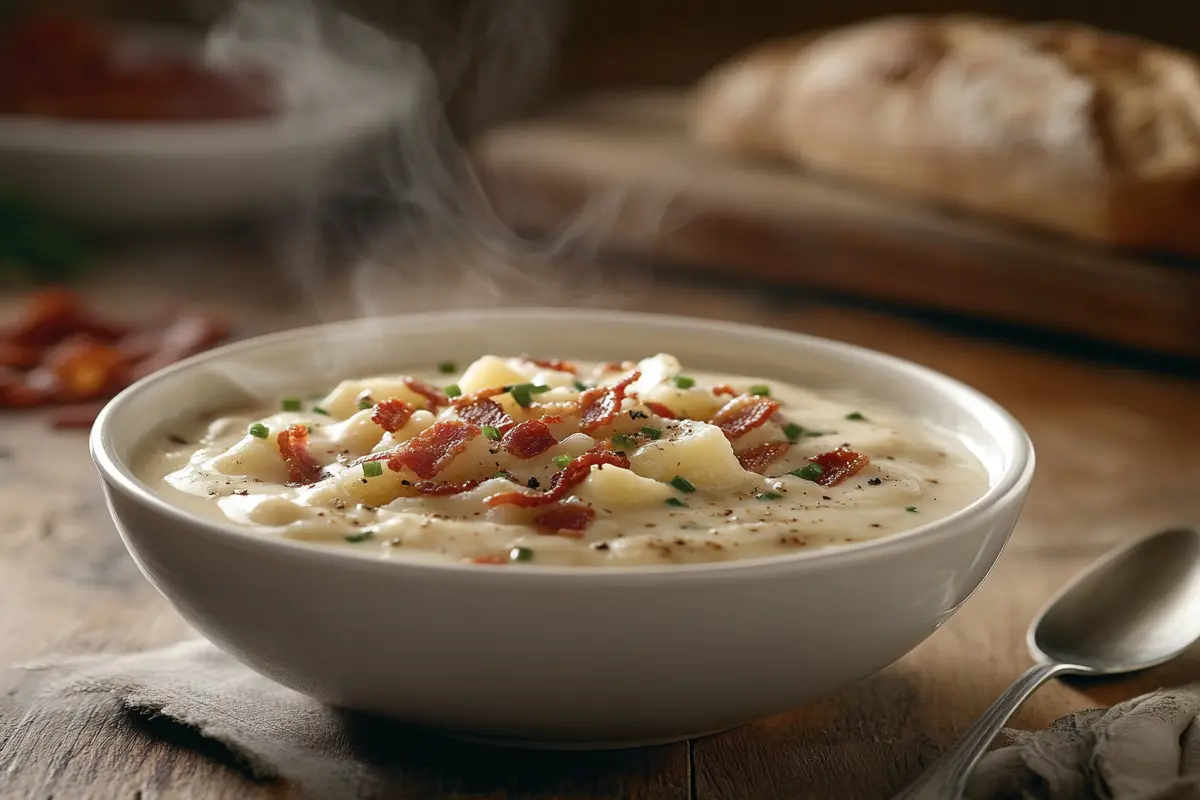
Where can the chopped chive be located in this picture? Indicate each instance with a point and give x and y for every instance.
(372, 469)
(682, 484)
(623, 440)
(537, 388)
(361, 536)
(491, 432)
(321, 411)
(684, 382)
(259, 431)
(520, 554)
(911, 509)
(363, 405)
(770, 496)
(857, 417)
(561, 461)
(308, 428)
(581, 386)
(675, 501)
(793, 432)
(504, 474)
(653, 433)
(809, 472)
(291, 404)
(761, 390)
(453, 391)
(522, 395)
(447, 367)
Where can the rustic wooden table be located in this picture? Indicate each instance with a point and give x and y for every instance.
(1117, 456)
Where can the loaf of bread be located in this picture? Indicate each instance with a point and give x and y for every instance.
(1058, 125)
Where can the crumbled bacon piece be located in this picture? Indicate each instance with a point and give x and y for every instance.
(436, 397)
(475, 397)
(743, 414)
(839, 464)
(443, 489)
(562, 480)
(293, 446)
(528, 439)
(601, 404)
(392, 415)
(82, 368)
(428, 453)
(551, 419)
(758, 458)
(566, 519)
(660, 409)
(486, 412)
(19, 356)
(552, 363)
(724, 388)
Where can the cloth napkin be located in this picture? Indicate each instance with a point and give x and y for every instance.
(1147, 748)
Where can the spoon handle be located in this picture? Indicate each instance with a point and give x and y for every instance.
(946, 779)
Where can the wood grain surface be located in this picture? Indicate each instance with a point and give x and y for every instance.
(1117, 456)
(623, 163)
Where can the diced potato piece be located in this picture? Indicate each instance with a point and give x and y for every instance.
(655, 370)
(359, 434)
(476, 462)
(487, 372)
(354, 487)
(255, 458)
(690, 403)
(342, 402)
(695, 450)
(611, 487)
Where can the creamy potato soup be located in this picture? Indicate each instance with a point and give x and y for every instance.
(532, 461)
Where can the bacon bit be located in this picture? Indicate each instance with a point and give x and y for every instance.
(428, 453)
(487, 560)
(660, 409)
(392, 414)
(839, 464)
(293, 446)
(436, 397)
(561, 481)
(552, 363)
(743, 414)
(724, 388)
(54, 314)
(602, 404)
(551, 419)
(528, 439)
(482, 394)
(486, 412)
(19, 356)
(566, 519)
(81, 368)
(439, 489)
(757, 459)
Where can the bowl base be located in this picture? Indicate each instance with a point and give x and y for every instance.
(517, 743)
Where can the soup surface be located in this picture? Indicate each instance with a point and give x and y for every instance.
(521, 460)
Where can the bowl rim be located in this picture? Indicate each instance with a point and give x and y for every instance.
(1014, 480)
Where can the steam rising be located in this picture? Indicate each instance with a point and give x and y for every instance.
(439, 231)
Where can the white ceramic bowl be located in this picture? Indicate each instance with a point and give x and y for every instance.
(136, 175)
(550, 655)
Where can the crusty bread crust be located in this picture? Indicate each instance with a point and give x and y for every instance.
(1057, 125)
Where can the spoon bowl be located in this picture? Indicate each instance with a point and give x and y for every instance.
(1135, 608)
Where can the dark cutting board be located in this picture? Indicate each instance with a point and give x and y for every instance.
(625, 162)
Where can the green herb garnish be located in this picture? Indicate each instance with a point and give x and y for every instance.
(491, 432)
(291, 404)
(503, 473)
(321, 411)
(363, 405)
(522, 395)
(809, 472)
(447, 367)
(675, 501)
(682, 484)
(793, 432)
(760, 390)
(561, 461)
(372, 469)
(453, 391)
(911, 509)
(581, 386)
(653, 433)
(361, 536)
(770, 496)
(259, 431)
(623, 440)
(855, 416)
(684, 382)
(520, 554)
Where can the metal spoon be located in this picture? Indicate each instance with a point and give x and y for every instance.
(1136, 607)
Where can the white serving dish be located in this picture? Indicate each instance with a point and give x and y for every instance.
(547, 655)
(136, 175)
